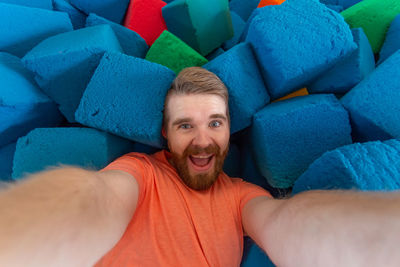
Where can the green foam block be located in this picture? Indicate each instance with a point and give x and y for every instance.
(374, 16)
(170, 51)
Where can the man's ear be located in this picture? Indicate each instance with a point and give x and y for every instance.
(163, 132)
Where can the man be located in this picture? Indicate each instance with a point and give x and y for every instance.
(178, 208)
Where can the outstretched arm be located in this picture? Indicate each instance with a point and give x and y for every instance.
(327, 228)
(65, 217)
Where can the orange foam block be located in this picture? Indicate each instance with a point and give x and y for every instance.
(301, 92)
(264, 3)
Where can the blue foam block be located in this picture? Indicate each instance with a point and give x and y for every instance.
(24, 27)
(6, 159)
(46, 4)
(217, 52)
(23, 106)
(126, 97)
(392, 40)
(349, 72)
(238, 27)
(336, 8)
(287, 136)
(254, 256)
(78, 18)
(374, 104)
(296, 41)
(84, 147)
(367, 166)
(113, 10)
(232, 161)
(238, 69)
(63, 64)
(131, 42)
(344, 3)
(243, 7)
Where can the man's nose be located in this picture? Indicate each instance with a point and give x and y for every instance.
(202, 138)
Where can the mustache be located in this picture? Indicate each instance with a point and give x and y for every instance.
(195, 150)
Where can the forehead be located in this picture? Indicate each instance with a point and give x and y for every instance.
(195, 105)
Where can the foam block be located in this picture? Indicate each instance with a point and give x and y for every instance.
(168, 50)
(374, 104)
(84, 147)
(287, 136)
(217, 52)
(238, 26)
(23, 106)
(24, 27)
(113, 10)
(46, 4)
(349, 72)
(130, 41)
(281, 34)
(374, 16)
(202, 24)
(264, 3)
(336, 8)
(301, 92)
(78, 18)
(6, 159)
(145, 18)
(368, 166)
(392, 40)
(243, 8)
(63, 64)
(126, 97)
(247, 92)
(232, 161)
(343, 3)
(254, 256)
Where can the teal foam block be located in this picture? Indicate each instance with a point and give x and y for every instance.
(46, 4)
(23, 106)
(243, 8)
(24, 27)
(63, 64)
(126, 97)
(287, 136)
(368, 167)
(392, 40)
(254, 256)
(350, 71)
(130, 41)
(6, 159)
(84, 147)
(296, 41)
(204, 25)
(113, 10)
(238, 26)
(78, 18)
(238, 69)
(374, 104)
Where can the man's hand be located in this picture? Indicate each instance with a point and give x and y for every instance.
(327, 228)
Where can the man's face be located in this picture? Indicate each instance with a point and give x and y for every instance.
(198, 137)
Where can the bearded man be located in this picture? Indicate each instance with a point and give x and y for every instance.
(178, 208)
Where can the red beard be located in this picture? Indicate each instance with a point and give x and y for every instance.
(199, 181)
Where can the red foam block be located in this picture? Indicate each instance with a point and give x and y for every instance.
(145, 18)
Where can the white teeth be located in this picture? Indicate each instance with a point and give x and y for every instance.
(201, 157)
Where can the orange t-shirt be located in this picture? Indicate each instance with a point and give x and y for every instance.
(174, 225)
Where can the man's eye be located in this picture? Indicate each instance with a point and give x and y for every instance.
(215, 124)
(185, 126)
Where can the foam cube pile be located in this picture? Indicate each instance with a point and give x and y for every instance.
(314, 93)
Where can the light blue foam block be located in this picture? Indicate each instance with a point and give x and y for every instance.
(78, 18)
(296, 41)
(24, 27)
(131, 42)
(84, 147)
(238, 69)
(6, 159)
(238, 26)
(287, 136)
(126, 97)
(113, 10)
(374, 104)
(46, 4)
(23, 106)
(366, 166)
(348, 72)
(392, 40)
(63, 64)
(243, 8)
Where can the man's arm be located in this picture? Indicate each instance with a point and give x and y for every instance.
(65, 217)
(327, 228)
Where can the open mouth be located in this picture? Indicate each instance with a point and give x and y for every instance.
(201, 162)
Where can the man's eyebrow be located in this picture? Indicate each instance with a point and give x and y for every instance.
(181, 120)
(218, 116)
